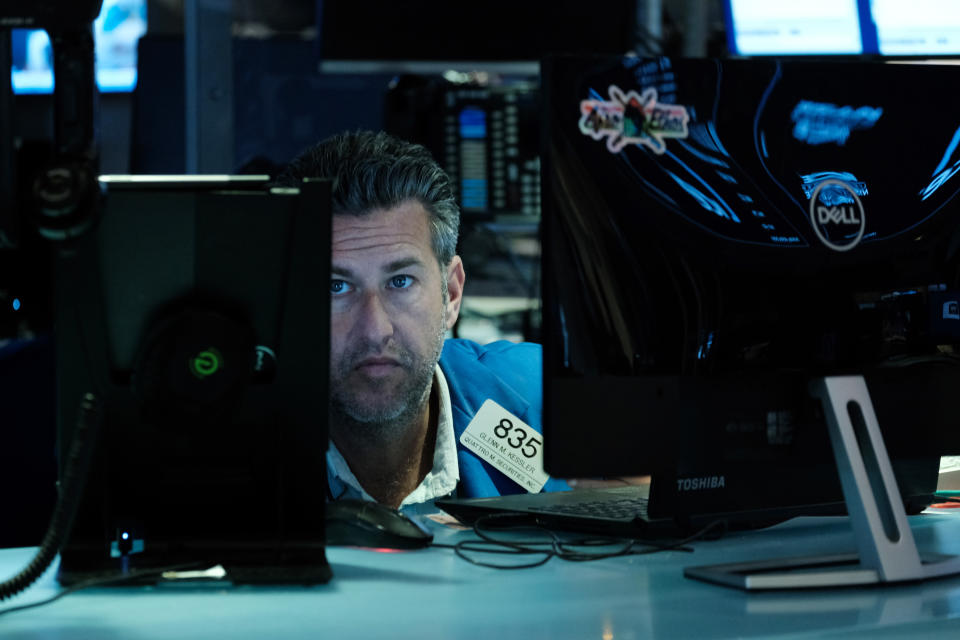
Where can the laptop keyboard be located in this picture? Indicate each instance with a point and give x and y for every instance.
(619, 509)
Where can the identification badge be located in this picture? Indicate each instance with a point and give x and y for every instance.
(509, 444)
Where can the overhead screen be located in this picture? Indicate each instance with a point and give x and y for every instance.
(843, 27)
(427, 36)
(116, 32)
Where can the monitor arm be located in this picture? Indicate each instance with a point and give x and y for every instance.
(885, 548)
(64, 192)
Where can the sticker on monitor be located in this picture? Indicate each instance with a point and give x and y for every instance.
(631, 118)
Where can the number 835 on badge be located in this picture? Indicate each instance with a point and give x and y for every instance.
(519, 437)
(509, 444)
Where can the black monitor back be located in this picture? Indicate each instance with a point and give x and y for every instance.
(497, 31)
(196, 313)
(717, 234)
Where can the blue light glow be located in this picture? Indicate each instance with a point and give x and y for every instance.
(785, 239)
(897, 294)
(16, 304)
(705, 347)
(938, 182)
(820, 122)
(832, 194)
(473, 123)
(943, 173)
(718, 206)
(473, 193)
(716, 139)
(706, 136)
(949, 152)
(649, 185)
(703, 199)
(125, 535)
(702, 156)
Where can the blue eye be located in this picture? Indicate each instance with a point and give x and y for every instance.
(401, 282)
(338, 287)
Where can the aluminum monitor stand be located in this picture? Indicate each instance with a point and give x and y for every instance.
(886, 551)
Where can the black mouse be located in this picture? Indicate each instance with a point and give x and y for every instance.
(359, 523)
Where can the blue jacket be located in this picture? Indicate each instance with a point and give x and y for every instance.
(512, 376)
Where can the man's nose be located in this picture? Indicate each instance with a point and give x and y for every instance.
(374, 320)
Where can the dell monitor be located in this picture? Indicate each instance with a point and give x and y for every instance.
(196, 315)
(721, 237)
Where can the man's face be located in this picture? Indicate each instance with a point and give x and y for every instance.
(390, 305)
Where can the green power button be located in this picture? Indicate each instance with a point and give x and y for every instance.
(206, 363)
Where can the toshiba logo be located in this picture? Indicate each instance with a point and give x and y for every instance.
(700, 484)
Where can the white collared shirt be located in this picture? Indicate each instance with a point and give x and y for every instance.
(440, 481)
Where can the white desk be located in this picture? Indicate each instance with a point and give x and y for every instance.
(434, 594)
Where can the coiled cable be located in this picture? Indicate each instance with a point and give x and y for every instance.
(70, 489)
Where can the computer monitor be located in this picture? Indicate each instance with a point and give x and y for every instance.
(718, 235)
(434, 36)
(820, 27)
(924, 28)
(116, 31)
(843, 27)
(195, 312)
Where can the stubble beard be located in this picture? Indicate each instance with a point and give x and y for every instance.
(354, 413)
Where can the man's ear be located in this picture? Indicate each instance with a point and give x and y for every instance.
(455, 278)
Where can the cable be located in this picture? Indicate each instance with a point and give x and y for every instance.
(944, 501)
(913, 360)
(71, 488)
(555, 547)
(100, 582)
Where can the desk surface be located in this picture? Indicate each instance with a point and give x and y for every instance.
(434, 594)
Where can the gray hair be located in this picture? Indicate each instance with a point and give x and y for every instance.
(379, 171)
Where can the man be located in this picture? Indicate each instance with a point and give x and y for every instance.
(396, 416)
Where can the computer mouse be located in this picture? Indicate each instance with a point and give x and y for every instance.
(359, 523)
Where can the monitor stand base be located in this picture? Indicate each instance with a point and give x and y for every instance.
(886, 551)
(256, 564)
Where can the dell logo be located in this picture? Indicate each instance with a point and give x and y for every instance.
(839, 215)
(836, 214)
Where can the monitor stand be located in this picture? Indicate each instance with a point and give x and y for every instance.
(886, 551)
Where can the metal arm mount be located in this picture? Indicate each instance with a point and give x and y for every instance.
(65, 191)
(886, 551)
